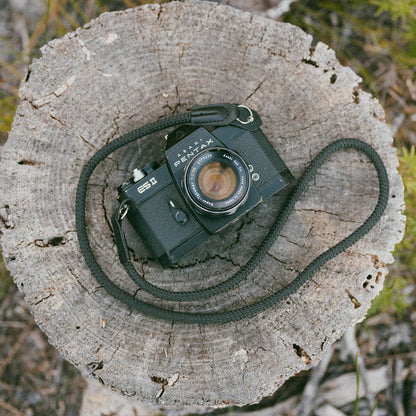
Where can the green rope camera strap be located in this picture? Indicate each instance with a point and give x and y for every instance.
(221, 114)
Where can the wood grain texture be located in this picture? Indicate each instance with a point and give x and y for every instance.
(126, 69)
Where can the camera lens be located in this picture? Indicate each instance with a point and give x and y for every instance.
(217, 181)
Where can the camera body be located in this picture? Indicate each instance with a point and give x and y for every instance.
(212, 176)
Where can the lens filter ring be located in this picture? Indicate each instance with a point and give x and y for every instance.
(216, 181)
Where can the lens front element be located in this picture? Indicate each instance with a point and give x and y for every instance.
(217, 181)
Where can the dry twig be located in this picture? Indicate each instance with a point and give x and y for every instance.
(311, 389)
(11, 408)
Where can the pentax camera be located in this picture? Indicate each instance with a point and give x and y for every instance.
(212, 176)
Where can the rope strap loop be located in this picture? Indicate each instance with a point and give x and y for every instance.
(214, 115)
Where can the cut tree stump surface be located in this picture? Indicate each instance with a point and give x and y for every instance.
(126, 69)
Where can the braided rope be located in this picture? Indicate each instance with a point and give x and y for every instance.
(248, 310)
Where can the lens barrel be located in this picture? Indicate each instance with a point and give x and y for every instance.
(216, 181)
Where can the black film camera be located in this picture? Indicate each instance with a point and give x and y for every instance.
(212, 177)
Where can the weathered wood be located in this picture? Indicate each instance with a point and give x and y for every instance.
(272, 9)
(126, 69)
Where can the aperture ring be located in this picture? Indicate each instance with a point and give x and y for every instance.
(216, 181)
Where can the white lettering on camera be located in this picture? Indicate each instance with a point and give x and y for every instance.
(147, 185)
(191, 151)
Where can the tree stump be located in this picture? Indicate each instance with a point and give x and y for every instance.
(126, 69)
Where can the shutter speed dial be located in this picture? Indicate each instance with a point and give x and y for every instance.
(141, 173)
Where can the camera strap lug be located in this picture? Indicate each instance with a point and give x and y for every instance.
(247, 118)
(122, 211)
(119, 236)
(250, 117)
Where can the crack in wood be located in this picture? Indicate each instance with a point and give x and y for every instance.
(41, 300)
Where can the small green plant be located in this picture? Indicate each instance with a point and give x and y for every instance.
(7, 109)
(377, 39)
(5, 279)
(392, 298)
(406, 251)
(399, 10)
(357, 393)
(400, 17)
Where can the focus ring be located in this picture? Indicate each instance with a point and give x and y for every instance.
(216, 181)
